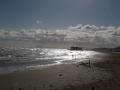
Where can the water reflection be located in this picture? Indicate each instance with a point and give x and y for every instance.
(12, 59)
(62, 56)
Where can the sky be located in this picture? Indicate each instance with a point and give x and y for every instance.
(53, 14)
(90, 23)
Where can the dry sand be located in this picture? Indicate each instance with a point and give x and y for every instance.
(102, 75)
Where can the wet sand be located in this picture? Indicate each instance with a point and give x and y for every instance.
(96, 74)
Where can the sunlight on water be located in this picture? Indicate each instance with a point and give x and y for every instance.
(63, 56)
(29, 58)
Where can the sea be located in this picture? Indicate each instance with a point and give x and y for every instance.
(20, 59)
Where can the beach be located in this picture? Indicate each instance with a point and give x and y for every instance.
(98, 73)
(56, 77)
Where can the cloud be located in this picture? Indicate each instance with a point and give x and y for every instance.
(84, 35)
(98, 36)
(79, 26)
(90, 27)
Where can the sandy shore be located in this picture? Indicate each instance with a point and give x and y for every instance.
(102, 75)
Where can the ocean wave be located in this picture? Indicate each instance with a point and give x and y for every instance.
(13, 59)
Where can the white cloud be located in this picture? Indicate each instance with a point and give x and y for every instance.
(99, 36)
(85, 35)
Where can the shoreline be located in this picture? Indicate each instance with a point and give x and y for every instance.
(58, 77)
(103, 74)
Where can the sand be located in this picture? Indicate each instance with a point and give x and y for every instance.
(102, 74)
